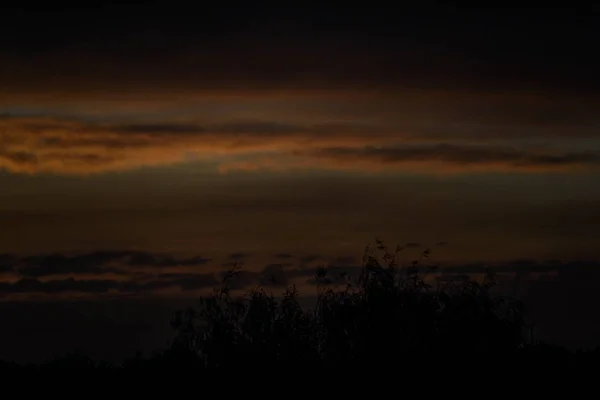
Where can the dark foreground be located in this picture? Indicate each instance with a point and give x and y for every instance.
(387, 316)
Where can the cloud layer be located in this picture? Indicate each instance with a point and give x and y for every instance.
(72, 146)
(103, 273)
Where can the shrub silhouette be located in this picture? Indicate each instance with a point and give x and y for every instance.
(387, 311)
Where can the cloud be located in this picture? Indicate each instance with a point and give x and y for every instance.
(454, 156)
(58, 264)
(28, 285)
(229, 264)
(338, 273)
(311, 258)
(526, 266)
(284, 256)
(272, 275)
(145, 266)
(187, 281)
(160, 261)
(72, 146)
(97, 263)
(98, 286)
(239, 256)
(134, 272)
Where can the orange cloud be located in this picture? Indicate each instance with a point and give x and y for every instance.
(75, 147)
(46, 145)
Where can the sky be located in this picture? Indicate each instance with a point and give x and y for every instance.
(146, 148)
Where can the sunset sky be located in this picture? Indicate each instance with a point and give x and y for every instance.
(145, 148)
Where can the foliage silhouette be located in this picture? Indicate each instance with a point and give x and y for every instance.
(388, 311)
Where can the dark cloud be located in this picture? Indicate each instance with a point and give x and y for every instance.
(19, 157)
(98, 286)
(283, 256)
(58, 264)
(190, 281)
(459, 155)
(412, 245)
(239, 256)
(118, 262)
(153, 260)
(159, 129)
(337, 271)
(135, 287)
(259, 128)
(272, 275)
(278, 265)
(526, 266)
(98, 263)
(229, 264)
(28, 285)
(311, 258)
(34, 144)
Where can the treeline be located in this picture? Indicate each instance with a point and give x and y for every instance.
(386, 316)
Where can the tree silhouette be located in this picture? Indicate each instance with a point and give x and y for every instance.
(387, 311)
